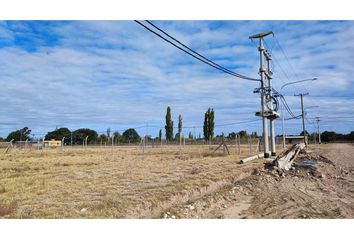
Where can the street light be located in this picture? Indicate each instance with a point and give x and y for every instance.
(281, 106)
(305, 80)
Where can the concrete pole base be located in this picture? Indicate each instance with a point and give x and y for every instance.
(274, 154)
(266, 155)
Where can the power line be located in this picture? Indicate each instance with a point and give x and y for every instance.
(206, 59)
(286, 57)
(195, 54)
(291, 66)
(282, 98)
(338, 117)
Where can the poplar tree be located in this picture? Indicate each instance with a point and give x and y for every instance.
(169, 125)
(206, 125)
(209, 124)
(160, 135)
(179, 126)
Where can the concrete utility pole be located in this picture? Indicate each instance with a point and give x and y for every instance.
(262, 70)
(287, 84)
(303, 114)
(318, 129)
(269, 75)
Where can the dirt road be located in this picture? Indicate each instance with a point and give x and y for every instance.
(326, 191)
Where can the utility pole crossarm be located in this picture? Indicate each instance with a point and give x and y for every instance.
(261, 35)
(301, 94)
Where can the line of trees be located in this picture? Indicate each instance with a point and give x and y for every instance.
(330, 136)
(208, 126)
(77, 137)
(131, 136)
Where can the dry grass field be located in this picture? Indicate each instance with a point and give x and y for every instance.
(105, 183)
(173, 182)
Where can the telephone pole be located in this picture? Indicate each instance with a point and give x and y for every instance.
(318, 129)
(303, 115)
(263, 93)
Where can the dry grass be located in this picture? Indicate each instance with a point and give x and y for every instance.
(101, 183)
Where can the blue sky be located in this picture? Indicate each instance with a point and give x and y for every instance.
(101, 74)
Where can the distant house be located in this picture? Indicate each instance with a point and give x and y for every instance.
(291, 139)
(51, 143)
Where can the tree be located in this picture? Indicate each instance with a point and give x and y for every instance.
(117, 136)
(169, 125)
(179, 127)
(242, 134)
(302, 133)
(20, 135)
(206, 125)
(350, 136)
(190, 135)
(160, 135)
(209, 124)
(254, 134)
(231, 135)
(79, 135)
(58, 134)
(108, 132)
(328, 136)
(131, 136)
(102, 138)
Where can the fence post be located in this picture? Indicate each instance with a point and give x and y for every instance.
(62, 143)
(112, 142)
(86, 142)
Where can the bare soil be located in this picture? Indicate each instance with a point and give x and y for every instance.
(323, 192)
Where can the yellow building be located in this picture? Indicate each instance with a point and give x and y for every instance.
(52, 143)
